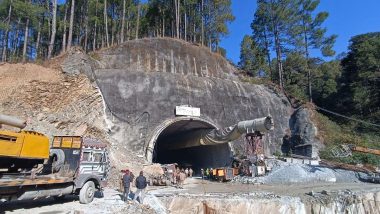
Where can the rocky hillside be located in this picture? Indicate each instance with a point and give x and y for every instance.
(51, 102)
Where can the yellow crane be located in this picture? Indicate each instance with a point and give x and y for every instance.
(21, 149)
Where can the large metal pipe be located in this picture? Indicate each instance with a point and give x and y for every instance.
(263, 125)
(12, 121)
(205, 137)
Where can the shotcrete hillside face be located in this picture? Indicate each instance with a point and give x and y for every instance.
(170, 143)
(142, 82)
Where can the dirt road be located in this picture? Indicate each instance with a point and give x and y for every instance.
(112, 203)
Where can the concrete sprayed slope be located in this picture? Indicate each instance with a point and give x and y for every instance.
(166, 55)
(144, 101)
(142, 81)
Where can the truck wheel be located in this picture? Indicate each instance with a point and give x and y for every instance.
(86, 194)
(57, 159)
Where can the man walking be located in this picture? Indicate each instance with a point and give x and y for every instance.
(127, 179)
(141, 184)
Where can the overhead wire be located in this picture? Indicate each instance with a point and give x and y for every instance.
(349, 118)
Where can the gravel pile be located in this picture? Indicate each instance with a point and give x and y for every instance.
(283, 172)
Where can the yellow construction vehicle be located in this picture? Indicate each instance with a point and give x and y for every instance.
(364, 150)
(346, 150)
(30, 168)
(21, 150)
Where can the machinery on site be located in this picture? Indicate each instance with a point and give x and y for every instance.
(15, 147)
(32, 168)
(160, 174)
(345, 150)
(254, 131)
(223, 173)
(168, 177)
(254, 163)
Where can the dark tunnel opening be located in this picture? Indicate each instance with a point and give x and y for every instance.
(196, 157)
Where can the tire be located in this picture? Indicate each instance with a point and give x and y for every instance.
(57, 157)
(86, 194)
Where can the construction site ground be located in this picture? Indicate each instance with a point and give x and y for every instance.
(193, 188)
(198, 186)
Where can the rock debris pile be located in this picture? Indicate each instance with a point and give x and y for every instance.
(283, 172)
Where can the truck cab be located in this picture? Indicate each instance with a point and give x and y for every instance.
(94, 166)
(75, 165)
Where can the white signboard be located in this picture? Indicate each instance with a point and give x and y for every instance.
(187, 111)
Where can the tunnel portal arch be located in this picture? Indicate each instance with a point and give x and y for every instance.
(173, 131)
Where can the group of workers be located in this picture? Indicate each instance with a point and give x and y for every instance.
(210, 173)
(140, 183)
(179, 176)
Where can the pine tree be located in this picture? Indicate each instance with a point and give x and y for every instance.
(220, 15)
(6, 32)
(359, 86)
(261, 35)
(64, 29)
(277, 17)
(105, 14)
(122, 23)
(312, 34)
(251, 57)
(34, 29)
(138, 20)
(53, 29)
(69, 40)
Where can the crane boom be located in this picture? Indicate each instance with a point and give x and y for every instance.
(365, 150)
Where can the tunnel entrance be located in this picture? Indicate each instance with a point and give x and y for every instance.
(177, 134)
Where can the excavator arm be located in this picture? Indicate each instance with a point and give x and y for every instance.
(365, 150)
(346, 150)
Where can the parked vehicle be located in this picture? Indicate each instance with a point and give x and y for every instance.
(30, 169)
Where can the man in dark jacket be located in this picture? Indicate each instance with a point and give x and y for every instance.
(127, 179)
(141, 184)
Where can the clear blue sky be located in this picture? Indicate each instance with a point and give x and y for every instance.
(347, 18)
